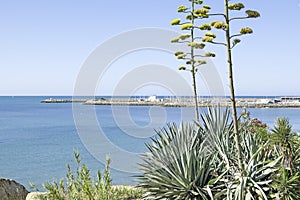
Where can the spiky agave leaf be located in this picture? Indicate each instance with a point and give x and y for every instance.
(175, 168)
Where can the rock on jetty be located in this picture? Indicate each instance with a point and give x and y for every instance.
(50, 100)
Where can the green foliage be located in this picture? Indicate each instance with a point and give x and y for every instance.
(286, 142)
(186, 26)
(79, 185)
(201, 12)
(174, 40)
(182, 9)
(177, 53)
(209, 34)
(184, 36)
(196, 45)
(210, 54)
(175, 21)
(286, 185)
(246, 30)
(219, 25)
(209, 37)
(191, 17)
(207, 7)
(197, 1)
(236, 41)
(201, 62)
(205, 27)
(179, 156)
(181, 56)
(182, 68)
(252, 14)
(236, 6)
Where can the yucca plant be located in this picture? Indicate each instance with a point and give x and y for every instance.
(286, 142)
(176, 166)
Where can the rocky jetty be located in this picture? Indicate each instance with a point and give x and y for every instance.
(251, 102)
(11, 190)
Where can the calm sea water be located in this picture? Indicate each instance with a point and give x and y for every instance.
(37, 140)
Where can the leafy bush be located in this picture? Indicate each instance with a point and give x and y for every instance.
(79, 185)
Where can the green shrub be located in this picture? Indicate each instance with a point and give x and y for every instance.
(79, 185)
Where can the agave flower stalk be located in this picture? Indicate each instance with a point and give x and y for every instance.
(192, 41)
(231, 41)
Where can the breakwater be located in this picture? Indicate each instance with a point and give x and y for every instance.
(185, 102)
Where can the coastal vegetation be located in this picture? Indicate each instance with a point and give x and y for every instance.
(199, 161)
(79, 184)
(218, 156)
(221, 155)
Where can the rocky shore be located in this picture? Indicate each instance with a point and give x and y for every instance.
(11, 190)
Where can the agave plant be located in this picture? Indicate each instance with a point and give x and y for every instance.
(199, 161)
(175, 167)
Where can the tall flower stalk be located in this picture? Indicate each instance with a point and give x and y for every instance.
(190, 38)
(231, 40)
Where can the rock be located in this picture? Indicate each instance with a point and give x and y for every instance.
(34, 195)
(11, 190)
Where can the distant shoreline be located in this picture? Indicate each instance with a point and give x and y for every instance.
(250, 102)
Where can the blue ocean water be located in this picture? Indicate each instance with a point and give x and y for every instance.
(37, 139)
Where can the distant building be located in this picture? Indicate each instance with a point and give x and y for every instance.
(291, 99)
(153, 98)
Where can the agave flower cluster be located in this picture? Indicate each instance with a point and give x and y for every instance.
(199, 161)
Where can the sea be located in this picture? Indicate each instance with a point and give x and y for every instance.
(37, 140)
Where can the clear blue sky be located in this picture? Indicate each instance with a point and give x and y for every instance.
(44, 43)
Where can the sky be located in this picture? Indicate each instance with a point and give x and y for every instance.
(44, 45)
